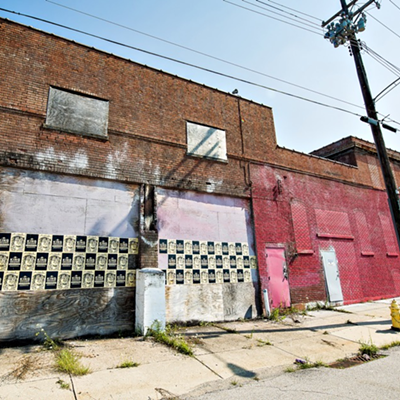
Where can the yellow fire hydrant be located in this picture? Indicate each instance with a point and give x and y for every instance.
(395, 313)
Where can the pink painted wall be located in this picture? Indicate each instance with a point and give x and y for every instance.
(196, 216)
(356, 217)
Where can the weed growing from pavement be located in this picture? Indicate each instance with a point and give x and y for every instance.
(68, 362)
(280, 313)
(368, 348)
(390, 345)
(127, 364)
(63, 384)
(224, 328)
(249, 336)
(305, 364)
(170, 338)
(49, 343)
(325, 306)
(261, 343)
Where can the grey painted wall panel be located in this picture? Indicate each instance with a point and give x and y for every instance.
(218, 302)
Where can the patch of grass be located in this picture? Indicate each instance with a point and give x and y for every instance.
(290, 369)
(68, 362)
(205, 323)
(235, 383)
(256, 378)
(390, 345)
(170, 339)
(128, 364)
(63, 384)
(308, 364)
(368, 348)
(261, 343)
(325, 333)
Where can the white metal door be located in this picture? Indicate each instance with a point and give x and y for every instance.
(331, 269)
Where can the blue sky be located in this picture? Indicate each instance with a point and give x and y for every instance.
(251, 40)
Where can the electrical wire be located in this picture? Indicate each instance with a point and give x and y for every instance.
(292, 9)
(283, 16)
(185, 63)
(385, 91)
(286, 12)
(207, 55)
(388, 65)
(268, 16)
(394, 4)
(385, 26)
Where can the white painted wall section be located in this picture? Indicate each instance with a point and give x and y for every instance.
(150, 300)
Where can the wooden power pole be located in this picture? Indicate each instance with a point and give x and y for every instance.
(339, 33)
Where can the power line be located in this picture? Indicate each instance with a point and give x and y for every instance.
(385, 26)
(185, 63)
(394, 4)
(381, 60)
(207, 55)
(292, 9)
(268, 16)
(286, 12)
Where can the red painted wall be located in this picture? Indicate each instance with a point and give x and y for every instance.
(333, 214)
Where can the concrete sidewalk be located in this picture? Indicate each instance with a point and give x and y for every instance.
(225, 354)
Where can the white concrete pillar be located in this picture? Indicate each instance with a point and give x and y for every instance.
(150, 299)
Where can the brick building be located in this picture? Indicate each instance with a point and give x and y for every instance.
(107, 166)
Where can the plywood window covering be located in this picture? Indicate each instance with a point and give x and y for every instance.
(77, 113)
(375, 172)
(206, 142)
(363, 234)
(389, 235)
(301, 228)
(333, 225)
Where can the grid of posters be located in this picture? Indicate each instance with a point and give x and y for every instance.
(204, 262)
(48, 262)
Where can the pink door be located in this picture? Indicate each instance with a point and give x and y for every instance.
(278, 284)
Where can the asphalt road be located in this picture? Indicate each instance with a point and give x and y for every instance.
(378, 379)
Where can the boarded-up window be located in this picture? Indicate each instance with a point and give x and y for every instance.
(375, 172)
(76, 113)
(207, 142)
(301, 229)
(363, 234)
(389, 235)
(333, 224)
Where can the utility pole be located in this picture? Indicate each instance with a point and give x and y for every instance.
(338, 33)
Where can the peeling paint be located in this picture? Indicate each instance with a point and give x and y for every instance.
(212, 185)
(151, 243)
(114, 161)
(79, 160)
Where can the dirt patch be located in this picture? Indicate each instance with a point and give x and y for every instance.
(353, 361)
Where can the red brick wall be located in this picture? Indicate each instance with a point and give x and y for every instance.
(363, 277)
(147, 117)
(148, 110)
